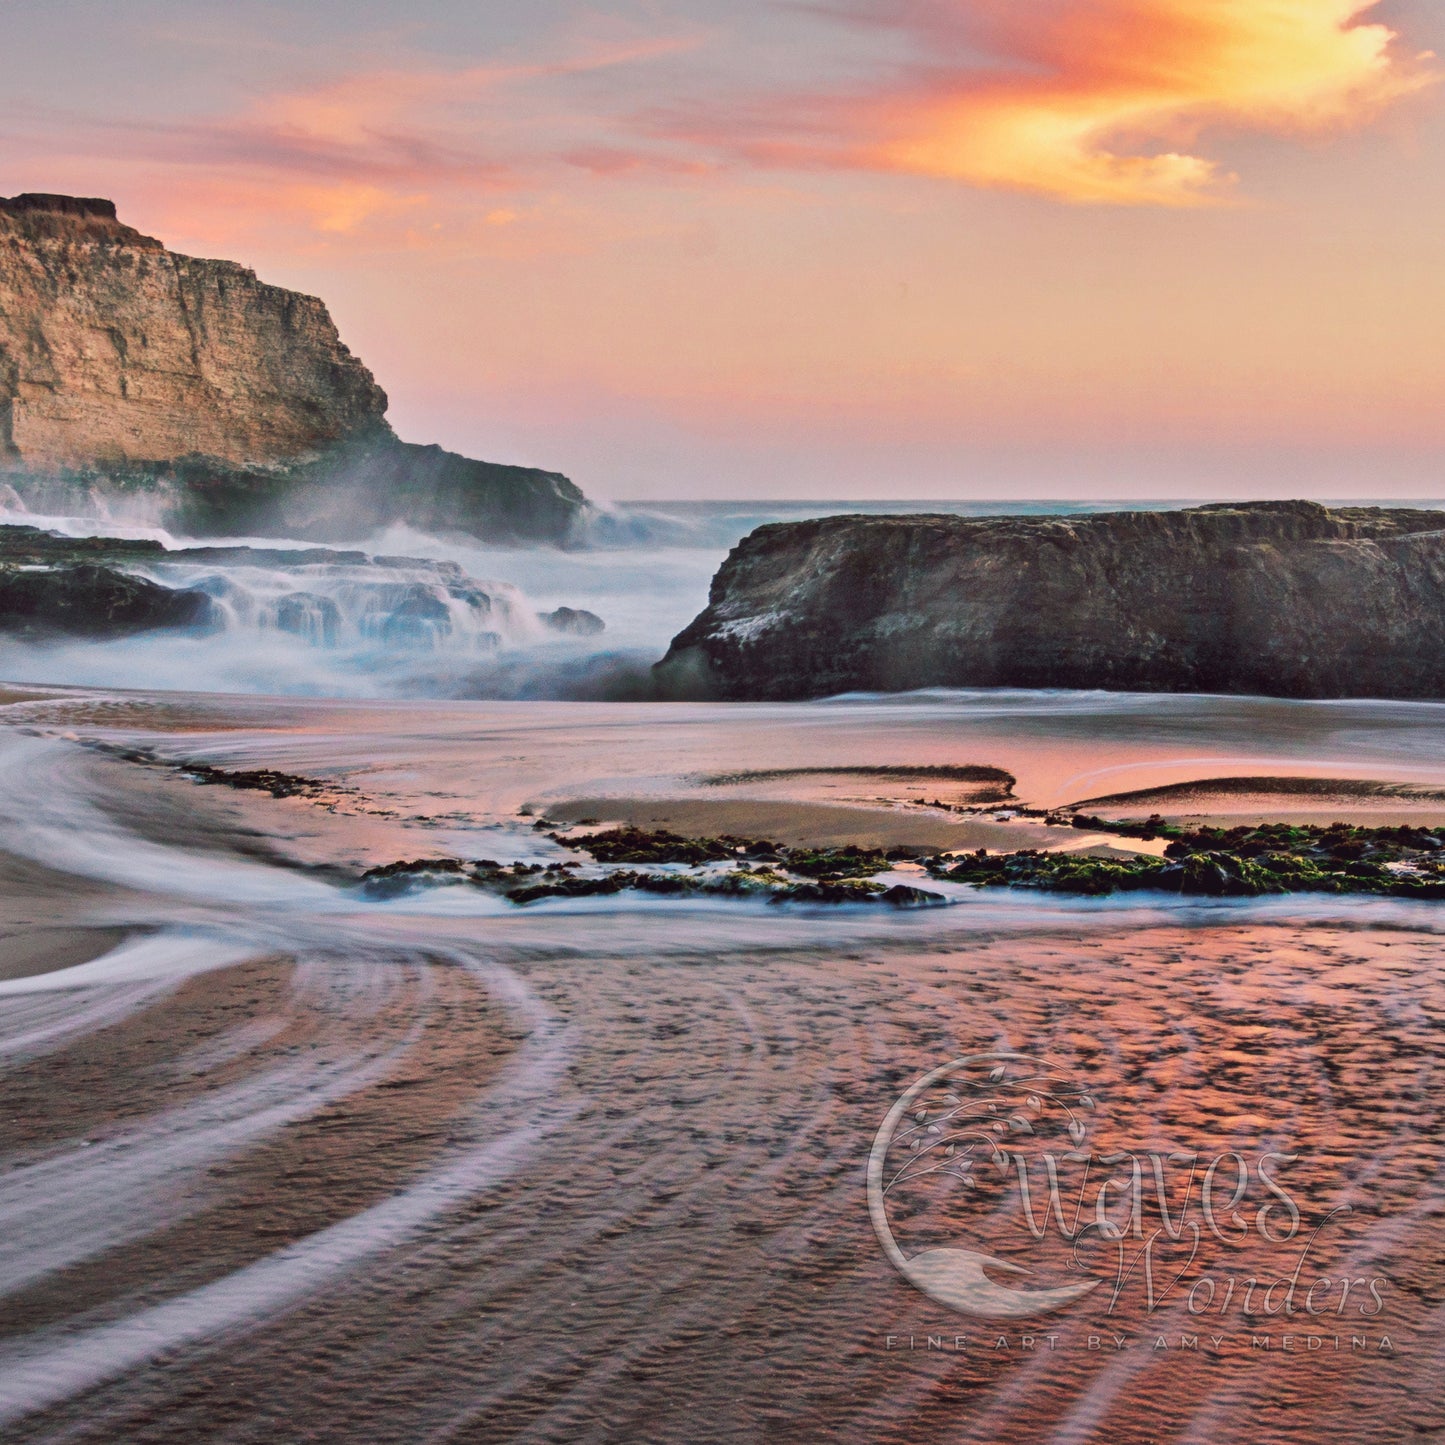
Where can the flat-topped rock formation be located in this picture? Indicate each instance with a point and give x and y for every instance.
(1286, 599)
(125, 369)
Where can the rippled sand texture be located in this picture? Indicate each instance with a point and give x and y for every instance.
(279, 1163)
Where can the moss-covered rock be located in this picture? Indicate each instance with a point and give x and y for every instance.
(657, 846)
(1241, 862)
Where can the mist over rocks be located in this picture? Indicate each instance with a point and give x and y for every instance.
(133, 375)
(1284, 599)
(55, 586)
(575, 622)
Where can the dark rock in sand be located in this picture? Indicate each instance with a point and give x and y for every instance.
(1286, 599)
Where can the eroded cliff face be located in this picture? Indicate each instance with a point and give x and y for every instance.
(113, 349)
(211, 401)
(1285, 599)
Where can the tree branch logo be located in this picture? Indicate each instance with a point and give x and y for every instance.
(957, 1126)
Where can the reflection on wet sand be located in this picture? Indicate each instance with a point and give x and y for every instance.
(281, 1162)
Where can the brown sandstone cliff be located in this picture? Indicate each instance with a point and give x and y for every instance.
(125, 369)
(113, 349)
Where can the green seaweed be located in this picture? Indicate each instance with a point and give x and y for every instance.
(742, 883)
(648, 846)
(1244, 861)
(779, 874)
(1241, 862)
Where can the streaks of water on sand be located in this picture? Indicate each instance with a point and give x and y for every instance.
(88, 1200)
(47, 812)
(38, 1374)
(47, 1021)
(163, 958)
(679, 1235)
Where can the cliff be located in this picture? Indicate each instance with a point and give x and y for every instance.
(1285, 599)
(126, 369)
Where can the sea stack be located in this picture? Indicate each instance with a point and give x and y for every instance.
(1283, 599)
(226, 404)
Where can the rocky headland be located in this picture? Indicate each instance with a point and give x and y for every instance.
(213, 401)
(1285, 599)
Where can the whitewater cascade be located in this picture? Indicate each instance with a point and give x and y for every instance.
(351, 601)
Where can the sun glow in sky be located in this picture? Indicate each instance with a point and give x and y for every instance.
(1084, 74)
(984, 248)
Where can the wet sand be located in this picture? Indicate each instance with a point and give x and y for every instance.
(898, 824)
(393, 1081)
(26, 950)
(688, 1257)
(785, 807)
(1226, 802)
(819, 825)
(285, 1164)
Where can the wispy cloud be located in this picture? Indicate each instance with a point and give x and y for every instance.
(1093, 101)
(1087, 101)
(372, 148)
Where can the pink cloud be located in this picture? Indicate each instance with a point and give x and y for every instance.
(360, 153)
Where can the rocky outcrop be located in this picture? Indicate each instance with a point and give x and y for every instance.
(111, 587)
(575, 622)
(54, 586)
(117, 351)
(1286, 599)
(94, 601)
(127, 370)
(356, 487)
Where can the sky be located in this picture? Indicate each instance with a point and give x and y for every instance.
(993, 249)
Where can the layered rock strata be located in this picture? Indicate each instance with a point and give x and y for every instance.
(131, 373)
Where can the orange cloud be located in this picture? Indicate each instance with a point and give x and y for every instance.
(360, 108)
(1115, 85)
(1090, 101)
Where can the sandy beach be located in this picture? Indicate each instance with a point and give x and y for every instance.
(435, 1166)
(906, 820)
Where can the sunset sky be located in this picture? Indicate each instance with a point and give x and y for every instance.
(811, 248)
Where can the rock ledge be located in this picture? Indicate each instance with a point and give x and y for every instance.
(1287, 599)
